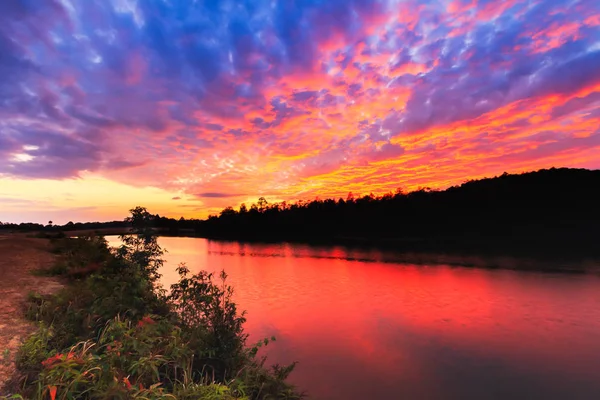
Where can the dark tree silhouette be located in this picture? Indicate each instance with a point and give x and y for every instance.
(549, 211)
(553, 210)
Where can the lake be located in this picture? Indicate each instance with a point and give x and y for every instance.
(362, 326)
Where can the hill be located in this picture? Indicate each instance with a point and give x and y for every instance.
(554, 210)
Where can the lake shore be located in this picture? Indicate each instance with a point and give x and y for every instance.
(111, 332)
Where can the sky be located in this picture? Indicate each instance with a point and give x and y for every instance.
(186, 107)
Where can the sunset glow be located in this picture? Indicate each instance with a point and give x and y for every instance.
(187, 107)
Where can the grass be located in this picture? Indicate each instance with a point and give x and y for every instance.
(114, 333)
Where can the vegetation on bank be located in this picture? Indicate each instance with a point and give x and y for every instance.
(114, 333)
(553, 210)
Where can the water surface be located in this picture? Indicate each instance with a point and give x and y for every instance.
(364, 327)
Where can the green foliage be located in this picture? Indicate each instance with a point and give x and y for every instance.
(35, 350)
(141, 248)
(113, 333)
(210, 320)
(213, 391)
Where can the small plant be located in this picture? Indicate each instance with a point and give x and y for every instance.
(33, 352)
(6, 355)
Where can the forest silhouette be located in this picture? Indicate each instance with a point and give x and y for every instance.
(552, 210)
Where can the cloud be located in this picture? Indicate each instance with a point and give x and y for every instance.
(217, 195)
(387, 151)
(295, 98)
(13, 201)
(48, 154)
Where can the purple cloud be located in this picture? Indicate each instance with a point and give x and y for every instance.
(265, 96)
(217, 195)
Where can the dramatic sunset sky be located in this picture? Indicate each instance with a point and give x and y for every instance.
(186, 106)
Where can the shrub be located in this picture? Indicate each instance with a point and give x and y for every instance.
(210, 321)
(114, 333)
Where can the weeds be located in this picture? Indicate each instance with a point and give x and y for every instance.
(113, 333)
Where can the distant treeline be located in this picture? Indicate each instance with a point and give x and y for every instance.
(71, 226)
(548, 210)
(162, 224)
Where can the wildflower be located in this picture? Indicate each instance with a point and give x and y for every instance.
(50, 361)
(127, 383)
(145, 321)
(52, 390)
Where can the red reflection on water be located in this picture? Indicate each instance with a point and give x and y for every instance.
(381, 330)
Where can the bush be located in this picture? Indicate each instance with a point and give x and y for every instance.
(114, 333)
(210, 321)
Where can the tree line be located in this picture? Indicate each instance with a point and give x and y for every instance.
(557, 207)
(550, 209)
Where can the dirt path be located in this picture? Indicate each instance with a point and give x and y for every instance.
(19, 255)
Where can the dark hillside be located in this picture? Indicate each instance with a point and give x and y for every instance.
(554, 209)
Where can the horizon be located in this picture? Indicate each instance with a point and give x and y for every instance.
(187, 109)
(355, 196)
(235, 207)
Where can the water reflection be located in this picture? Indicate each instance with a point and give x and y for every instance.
(363, 327)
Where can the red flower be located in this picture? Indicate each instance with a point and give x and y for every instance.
(145, 321)
(127, 383)
(50, 361)
(52, 392)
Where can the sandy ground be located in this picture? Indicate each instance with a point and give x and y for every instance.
(19, 255)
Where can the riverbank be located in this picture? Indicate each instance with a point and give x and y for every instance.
(20, 256)
(112, 332)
